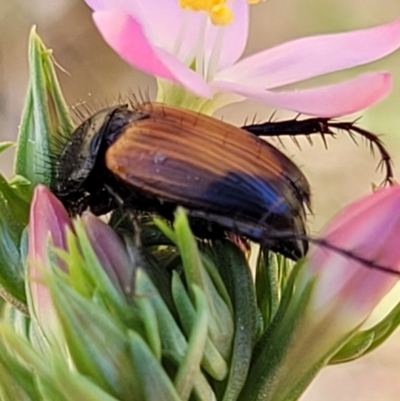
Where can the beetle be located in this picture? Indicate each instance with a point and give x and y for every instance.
(155, 157)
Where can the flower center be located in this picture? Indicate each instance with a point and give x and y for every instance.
(217, 10)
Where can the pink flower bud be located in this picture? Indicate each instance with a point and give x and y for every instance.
(48, 223)
(370, 228)
(110, 251)
(333, 295)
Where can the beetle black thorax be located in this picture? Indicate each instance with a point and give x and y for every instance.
(80, 177)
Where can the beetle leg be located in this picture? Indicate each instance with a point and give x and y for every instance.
(325, 126)
(132, 215)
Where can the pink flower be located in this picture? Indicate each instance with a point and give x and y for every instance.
(346, 288)
(181, 45)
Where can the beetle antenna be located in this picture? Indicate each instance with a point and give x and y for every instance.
(368, 263)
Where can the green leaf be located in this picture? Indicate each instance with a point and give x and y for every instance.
(11, 266)
(75, 386)
(5, 145)
(236, 275)
(267, 379)
(268, 286)
(16, 204)
(45, 114)
(32, 359)
(22, 186)
(153, 383)
(190, 366)
(17, 379)
(221, 328)
(97, 342)
(151, 329)
(173, 341)
(213, 362)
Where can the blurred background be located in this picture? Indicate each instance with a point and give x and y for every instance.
(95, 75)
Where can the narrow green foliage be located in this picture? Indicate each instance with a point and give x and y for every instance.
(268, 286)
(236, 275)
(97, 342)
(221, 327)
(45, 114)
(6, 145)
(213, 362)
(13, 219)
(365, 341)
(152, 381)
(189, 369)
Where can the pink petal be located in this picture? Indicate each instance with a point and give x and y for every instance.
(126, 36)
(157, 15)
(316, 55)
(97, 5)
(327, 101)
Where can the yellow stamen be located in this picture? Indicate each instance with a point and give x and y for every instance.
(218, 11)
(199, 5)
(221, 15)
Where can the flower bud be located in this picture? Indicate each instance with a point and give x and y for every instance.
(48, 224)
(332, 295)
(345, 287)
(111, 252)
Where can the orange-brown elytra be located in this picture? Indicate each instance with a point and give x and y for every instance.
(156, 157)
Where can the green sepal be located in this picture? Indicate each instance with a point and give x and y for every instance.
(365, 341)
